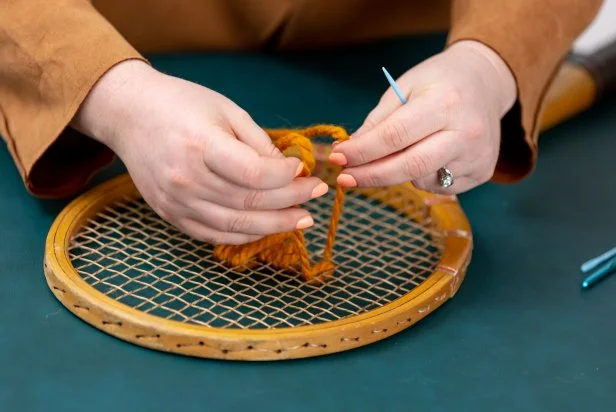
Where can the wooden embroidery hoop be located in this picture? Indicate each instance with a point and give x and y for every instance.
(441, 214)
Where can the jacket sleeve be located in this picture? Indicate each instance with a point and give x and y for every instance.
(51, 54)
(532, 37)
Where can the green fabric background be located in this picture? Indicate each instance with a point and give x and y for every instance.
(520, 334)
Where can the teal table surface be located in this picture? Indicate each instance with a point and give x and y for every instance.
(520, 334)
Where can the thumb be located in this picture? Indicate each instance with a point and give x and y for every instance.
(248, 132)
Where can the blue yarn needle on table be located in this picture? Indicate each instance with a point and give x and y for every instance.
(606, 264)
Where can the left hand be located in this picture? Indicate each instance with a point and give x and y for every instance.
(456, 100)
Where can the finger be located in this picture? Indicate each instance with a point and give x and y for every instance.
(239, 163)
(200, 232)
(421, 159)
(430, 184)
(388, 103)
(224, 193)
(251, 222)
(464, 174)
(406, 126)
(247, 131)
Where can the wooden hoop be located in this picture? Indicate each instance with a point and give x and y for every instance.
(150, 331)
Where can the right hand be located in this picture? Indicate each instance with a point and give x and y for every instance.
(197, 159)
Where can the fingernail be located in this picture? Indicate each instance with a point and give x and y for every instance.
(300, 168)
(346, 180)
(334, 144)
(320, 190)
(338, 159)
(304, 222)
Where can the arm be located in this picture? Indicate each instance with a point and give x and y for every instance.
(532, 38)
(70, 98)
(51, 55)
(474, 107)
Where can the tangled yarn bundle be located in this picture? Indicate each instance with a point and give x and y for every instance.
(288, 250)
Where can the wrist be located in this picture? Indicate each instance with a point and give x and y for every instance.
(107, 107)
(495, 73)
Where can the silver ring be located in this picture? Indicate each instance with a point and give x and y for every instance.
(445, 177)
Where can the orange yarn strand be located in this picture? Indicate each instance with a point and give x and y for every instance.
(288, 250)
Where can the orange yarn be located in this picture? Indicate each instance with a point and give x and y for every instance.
(287, 250)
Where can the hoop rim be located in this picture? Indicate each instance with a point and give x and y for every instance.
(130, 324)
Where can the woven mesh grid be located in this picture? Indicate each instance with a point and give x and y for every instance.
(129, 254)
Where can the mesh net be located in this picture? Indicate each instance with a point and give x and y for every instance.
(131, 255)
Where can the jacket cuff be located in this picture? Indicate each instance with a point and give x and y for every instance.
(57, 52)
(532, 40)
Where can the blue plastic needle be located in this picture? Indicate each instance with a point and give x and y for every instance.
(602, 272)
(394, 86)
(594, 262)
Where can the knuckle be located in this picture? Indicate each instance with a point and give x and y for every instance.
(451, 101)
(176, 178)
(394, 134)
(252, 175)
(358, 156)
(372, 179)
(253, 200)
(195, 145)
(475, 129)
(239, 223)
(193, 140)
(416, 165)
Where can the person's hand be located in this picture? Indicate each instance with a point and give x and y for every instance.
(197, 159)
(456, 100)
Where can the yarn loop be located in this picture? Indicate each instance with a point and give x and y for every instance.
(288, 250)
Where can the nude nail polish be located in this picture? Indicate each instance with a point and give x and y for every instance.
(319, 190)
(304, 222)
(338, 159)
(300, 167)
(346, 180)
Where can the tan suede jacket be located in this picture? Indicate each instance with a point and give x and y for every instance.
(53, 52)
